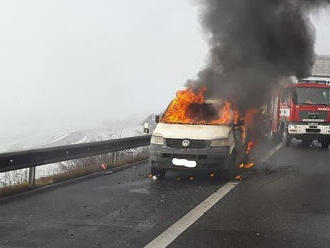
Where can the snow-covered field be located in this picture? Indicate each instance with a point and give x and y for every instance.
(65, 137)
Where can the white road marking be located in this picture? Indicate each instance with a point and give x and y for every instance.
(271, 152)
(168, 236)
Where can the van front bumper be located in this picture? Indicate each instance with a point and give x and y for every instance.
(206, 158)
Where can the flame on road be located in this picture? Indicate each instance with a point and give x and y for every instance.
(246, 165)
(238, 178)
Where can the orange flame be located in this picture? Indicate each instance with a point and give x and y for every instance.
(244, 133)
(178, 110)
(246, 165)
(238, 178)
(250, 146)
(226, 114)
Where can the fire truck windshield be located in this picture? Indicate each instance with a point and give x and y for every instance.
(309, 96)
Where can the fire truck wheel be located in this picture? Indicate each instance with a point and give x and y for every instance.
(157, 172)
(325, 144)
(285, 137)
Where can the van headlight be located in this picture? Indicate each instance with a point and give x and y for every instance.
(219, 142)
(157, 140)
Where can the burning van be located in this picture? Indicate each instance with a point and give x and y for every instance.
(200, 134)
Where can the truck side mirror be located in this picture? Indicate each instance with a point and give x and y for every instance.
(157, 118)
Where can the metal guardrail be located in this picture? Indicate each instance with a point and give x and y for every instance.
(31, 158)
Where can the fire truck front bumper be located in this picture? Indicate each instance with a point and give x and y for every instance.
(312, 131)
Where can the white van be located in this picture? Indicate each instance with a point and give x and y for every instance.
(197, 147)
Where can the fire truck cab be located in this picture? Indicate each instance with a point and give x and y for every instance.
(302, 111)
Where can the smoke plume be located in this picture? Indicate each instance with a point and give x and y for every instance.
(254, 44)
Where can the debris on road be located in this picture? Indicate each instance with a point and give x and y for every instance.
(238, 178)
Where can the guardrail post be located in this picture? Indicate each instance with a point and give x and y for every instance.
(114, 157)
(32, 175)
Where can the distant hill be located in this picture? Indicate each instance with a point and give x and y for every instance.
(49, 138)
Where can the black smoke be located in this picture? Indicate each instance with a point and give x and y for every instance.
(202, 112)
(254, 44)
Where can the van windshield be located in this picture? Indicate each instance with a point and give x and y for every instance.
(311, 96)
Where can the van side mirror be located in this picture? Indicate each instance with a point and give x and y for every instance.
(157, 118)
(146, 128)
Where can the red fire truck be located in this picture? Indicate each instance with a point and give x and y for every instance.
(302, 111)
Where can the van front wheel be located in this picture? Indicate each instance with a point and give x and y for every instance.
(231, 166)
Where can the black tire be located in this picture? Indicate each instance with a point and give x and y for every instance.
(231, 166)
(306, 143)
(325, 144)
(160, 173)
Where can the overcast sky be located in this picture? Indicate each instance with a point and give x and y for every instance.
(77, 63)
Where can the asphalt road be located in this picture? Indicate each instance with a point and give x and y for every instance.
(283, 202)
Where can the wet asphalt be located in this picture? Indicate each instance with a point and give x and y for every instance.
(282, 202)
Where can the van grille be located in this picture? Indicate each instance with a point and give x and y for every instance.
(185, 156)
(177, 143)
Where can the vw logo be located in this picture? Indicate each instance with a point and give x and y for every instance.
(186, 143)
